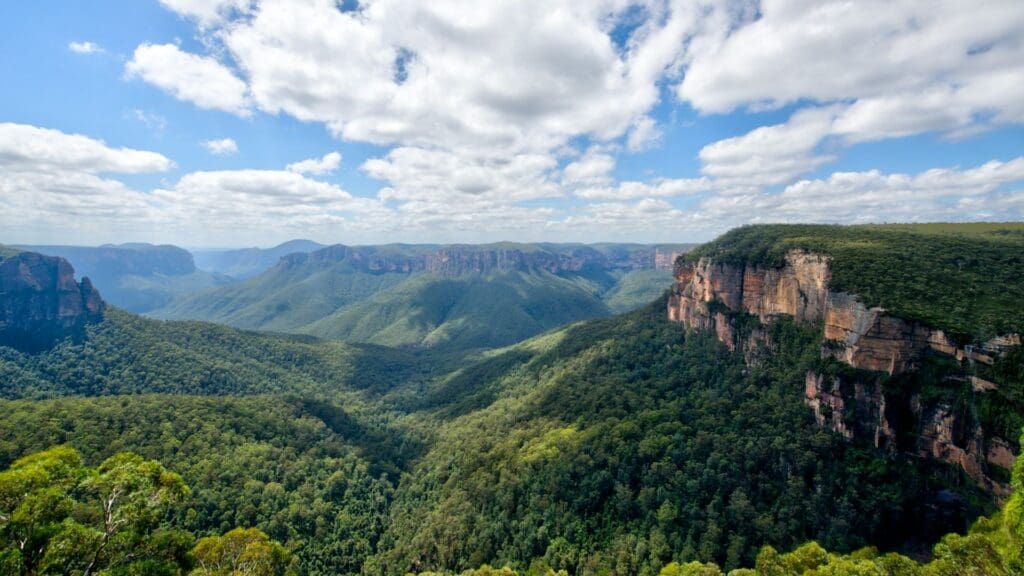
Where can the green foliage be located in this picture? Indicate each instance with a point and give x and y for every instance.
(469, 311)
(342, 300)
(966, 279)
(624, 444)
(241, 552)
(127, 354)
(264, 462)
(58, 517)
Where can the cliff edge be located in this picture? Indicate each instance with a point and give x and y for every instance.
(41, 303)
(879, 349)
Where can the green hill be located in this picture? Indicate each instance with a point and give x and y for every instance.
(463, 296)
(617, 445)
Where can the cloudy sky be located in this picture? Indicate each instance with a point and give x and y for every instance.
(249, 122)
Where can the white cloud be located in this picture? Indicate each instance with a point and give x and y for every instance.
(26, 148)
(50, 181)
(221, 147)
(643, 134)
(85, 47)
(201, 80)
(325, 165)
(594, 168)
(770, 154)
(907, 67)
(455, 177)
(659, 188)
(151, 120)
(945, 194)
(206, 12)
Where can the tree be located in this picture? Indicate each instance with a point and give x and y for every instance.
(58, 517)
(241, 552)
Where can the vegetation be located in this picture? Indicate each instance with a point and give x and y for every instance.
(60, 517)
(620, 445)
(333, 297)
(966, 279)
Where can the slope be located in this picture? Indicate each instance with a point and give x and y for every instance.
(453, 296)
(465, 311)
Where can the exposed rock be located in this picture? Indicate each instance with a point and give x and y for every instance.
(464, 259)
(710, 296)
(40, 302)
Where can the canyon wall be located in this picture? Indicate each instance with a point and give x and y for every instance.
(458, 260)
(41, 303)
(711, 296)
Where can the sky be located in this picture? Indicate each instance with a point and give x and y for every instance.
(218, 123)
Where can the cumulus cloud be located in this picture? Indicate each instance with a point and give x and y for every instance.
(207, 12)
(27, 148)
(201, 80)
(946, 194)
(220, 147)
(659, 188)
(594, 168)
(85, 47)
(51, 180)
(770, 154)
(325, 165)
(908, 67)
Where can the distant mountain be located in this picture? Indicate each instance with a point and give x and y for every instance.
(137, 277)
(455, 296)
(248, 262)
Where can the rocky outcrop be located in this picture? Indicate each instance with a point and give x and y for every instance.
(714, 296)
(458, 260)
(41, 303)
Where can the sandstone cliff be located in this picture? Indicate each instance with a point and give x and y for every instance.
(714, 296)
(41, 303)
(457, 260)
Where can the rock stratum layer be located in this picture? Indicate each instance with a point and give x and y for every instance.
(711, 296)
(41, 303)
(459, 260)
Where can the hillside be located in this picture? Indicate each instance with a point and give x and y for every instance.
(612, 445)
(462, 296)
(137, 277)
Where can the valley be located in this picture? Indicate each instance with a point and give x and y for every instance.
(445, 409)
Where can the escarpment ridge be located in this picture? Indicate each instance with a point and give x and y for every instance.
(895, 382)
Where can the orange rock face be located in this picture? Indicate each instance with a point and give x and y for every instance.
(862, 337)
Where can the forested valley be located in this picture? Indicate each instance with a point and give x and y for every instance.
(626, 445)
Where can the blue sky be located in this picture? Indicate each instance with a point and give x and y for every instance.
(610, 120)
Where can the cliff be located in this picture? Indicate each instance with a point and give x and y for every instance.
(878, 347)
(457, 260)
(41, 303)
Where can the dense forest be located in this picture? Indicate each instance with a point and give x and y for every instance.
(616, 446)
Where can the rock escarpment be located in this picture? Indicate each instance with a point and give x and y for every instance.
(41, 303)
(877, 345)
(457, 260)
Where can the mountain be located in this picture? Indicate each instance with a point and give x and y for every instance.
(451, 296)
(138, 277)
(248, 262)
(41, 303)
(769, 398)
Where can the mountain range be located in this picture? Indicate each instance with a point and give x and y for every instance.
(845, 393)
(461, 296)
